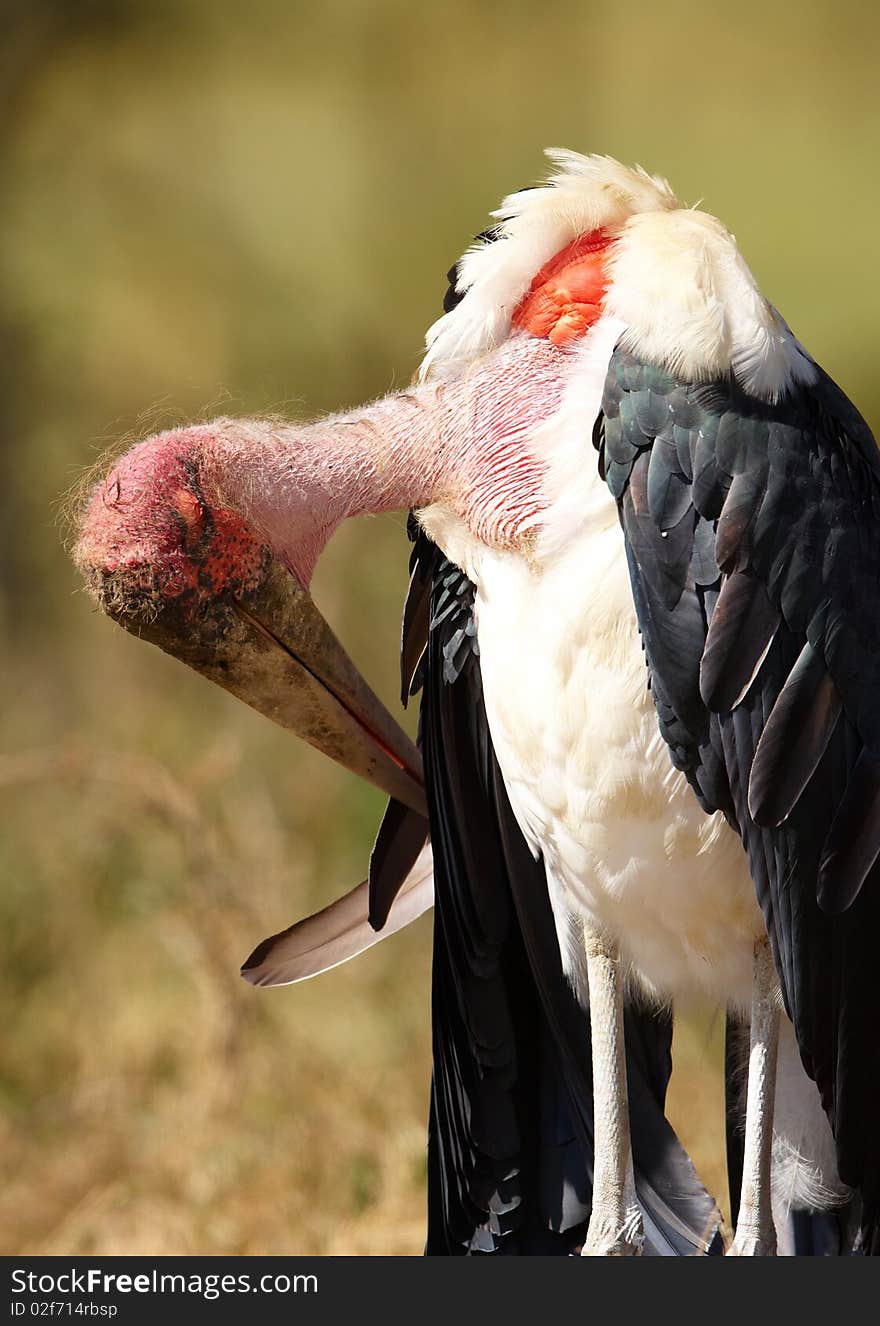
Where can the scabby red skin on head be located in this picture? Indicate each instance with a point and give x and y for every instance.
(150, 523)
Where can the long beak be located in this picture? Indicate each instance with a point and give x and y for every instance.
(272, 648)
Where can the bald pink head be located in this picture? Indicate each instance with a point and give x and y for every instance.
(149, 533)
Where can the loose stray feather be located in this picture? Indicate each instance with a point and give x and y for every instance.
(339, 931)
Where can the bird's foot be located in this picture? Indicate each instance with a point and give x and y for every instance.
(608, 1237)
(750, 1241)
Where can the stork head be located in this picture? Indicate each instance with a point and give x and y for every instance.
(164, 556)
(151, 539)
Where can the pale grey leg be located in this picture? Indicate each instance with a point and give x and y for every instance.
(755, 1232)
(616, 1220)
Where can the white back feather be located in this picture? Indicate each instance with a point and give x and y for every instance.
(679, 283)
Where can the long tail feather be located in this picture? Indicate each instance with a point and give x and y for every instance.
(340, 931)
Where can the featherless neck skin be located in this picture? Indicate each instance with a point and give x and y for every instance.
(463, 442)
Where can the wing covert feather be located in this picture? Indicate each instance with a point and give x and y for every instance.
(768, 689)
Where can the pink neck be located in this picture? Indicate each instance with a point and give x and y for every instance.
(463, 443)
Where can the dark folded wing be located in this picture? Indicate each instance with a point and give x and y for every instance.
(753, 538)
(510, 1140)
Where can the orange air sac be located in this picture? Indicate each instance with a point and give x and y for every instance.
(566, 296)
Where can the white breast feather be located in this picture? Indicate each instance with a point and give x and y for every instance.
(589, 777)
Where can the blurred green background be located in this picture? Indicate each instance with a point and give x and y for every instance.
(204, 207)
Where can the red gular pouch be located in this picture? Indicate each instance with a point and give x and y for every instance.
(567, 295)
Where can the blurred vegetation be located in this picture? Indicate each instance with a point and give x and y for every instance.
(207, 207)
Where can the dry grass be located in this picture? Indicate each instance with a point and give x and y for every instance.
(153, 1102)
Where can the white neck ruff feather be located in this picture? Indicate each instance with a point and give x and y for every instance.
(678, 281)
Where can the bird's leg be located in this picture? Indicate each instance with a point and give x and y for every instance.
(615, 1228)
(755, 1232)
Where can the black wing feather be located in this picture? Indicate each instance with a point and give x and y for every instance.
(401, 837)
(766, 674)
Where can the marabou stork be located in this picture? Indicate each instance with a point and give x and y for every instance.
(618, 454)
